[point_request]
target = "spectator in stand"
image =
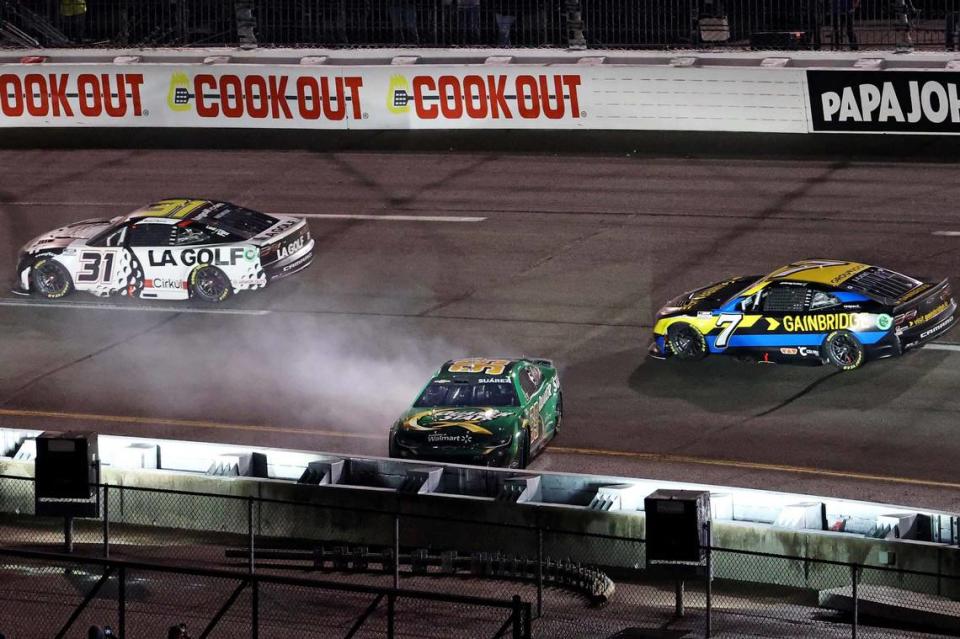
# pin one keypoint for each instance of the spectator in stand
(403, 19)
(843, 22)
(73, 19)
(178, 631)
(506, 19)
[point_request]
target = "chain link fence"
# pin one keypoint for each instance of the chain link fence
(577, 584)
(630, 24)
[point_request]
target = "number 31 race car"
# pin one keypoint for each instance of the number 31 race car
(841, 313)
(491, 412)
(172, 249)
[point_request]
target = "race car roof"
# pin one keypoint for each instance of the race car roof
(477, 367)
(174, 207)
(830, 272)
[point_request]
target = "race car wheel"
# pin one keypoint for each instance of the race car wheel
(209, 284)
(559, 411)
(51, 279)
(520, 460)
(844, 350)
(686, 342)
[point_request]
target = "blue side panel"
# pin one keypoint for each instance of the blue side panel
(787, 339)
(660, 341)
(851, 297)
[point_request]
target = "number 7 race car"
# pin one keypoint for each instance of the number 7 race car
(841, 313)
(172, 249)
(491, 412)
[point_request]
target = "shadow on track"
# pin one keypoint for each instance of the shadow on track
(724, 385)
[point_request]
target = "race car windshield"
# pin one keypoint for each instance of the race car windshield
(458, 394)
(239, 221)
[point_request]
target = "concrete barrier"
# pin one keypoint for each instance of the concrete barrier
(462, 506)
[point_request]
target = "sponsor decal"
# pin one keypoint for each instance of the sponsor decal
(466, 419)
(279, 229)
(847, 274)
(884, 322)
(250, 253)
(883, 101)
(923, 319)
(291, 248)
(482, 97)
(492, 380)
(806, 351)
(936, 328)
(267, 96)
(819, 323)
(163, 282)
(911, 294)
(70, 95)
(192, 256)
(788, 351)
(448, 438)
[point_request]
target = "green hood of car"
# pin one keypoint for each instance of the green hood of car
(459, 426)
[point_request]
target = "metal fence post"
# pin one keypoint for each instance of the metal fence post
(391, 601)
(517, 618)
(709, 584)
(122, 602)
(250, 536)
(255, 608)
(539, 572)
(106, 521)
(396, 552)
(854, 579)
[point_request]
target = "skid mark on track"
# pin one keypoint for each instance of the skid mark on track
(86, 357)
(804, 391)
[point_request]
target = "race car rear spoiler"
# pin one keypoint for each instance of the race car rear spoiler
(917, 296)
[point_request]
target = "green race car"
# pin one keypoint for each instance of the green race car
(490, 412)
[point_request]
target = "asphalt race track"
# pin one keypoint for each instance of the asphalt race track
(564, 257)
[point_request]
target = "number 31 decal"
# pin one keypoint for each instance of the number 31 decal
(96, 266)
(731, 321)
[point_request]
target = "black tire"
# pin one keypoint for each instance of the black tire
(50, 278)
(843, 350)
(686, 342)
(556, 425)
(209, 284)
(522, 458)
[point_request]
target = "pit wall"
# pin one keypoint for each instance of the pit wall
(465, 507)
(424, 90)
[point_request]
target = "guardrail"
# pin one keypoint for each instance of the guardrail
(759, 24)
(416, 91)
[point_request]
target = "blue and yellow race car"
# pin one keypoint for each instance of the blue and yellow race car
(827, 311)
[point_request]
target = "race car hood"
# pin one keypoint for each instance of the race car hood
(65, 235)
(453, 426)
(706, 298)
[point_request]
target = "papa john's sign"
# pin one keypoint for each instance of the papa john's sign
(884, 101)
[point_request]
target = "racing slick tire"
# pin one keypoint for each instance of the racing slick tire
(843, 350)
(556, 424)
(51, 279)
(209, 284)
(521, 459)
(686, 342)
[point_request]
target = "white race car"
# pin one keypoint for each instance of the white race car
(172, 249)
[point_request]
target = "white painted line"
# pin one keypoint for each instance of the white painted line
(947, 233)
(391, 218)
(943, 347)
(140, 309)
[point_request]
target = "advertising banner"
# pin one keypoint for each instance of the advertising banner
(509, 96)
(884, 101)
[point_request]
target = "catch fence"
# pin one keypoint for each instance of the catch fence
(627, 24)
(576, 584)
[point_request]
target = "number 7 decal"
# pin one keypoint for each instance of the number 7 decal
(731, 321)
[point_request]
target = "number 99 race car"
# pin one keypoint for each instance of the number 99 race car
(172, 249)
(841, 313)
(490, 412)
